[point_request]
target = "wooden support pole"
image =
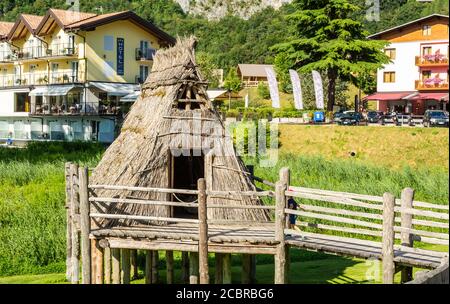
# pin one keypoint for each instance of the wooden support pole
(107, 254)
(148, 266)
(285, 178)
(388, 238)
(134, 265)
(85, 222)
(407, 239)
(218, 277)
(115, 264)
(185, 267)
(125, 265)
(75, 206)
(193, 268)
(68, 222)
(226, 264)
(246, 269)
(169, 267)
(280, 255)
(93, 261)
(253, 269)
(155, 265)
(203, 232)
(99, 274)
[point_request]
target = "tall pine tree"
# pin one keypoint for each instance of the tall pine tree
(324, 37)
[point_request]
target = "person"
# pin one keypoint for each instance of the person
(292, 204)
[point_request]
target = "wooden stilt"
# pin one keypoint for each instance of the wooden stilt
(407, 239)
(387, 251)
(148, 266)
(169, 266)
(193, 268)
(85, 225)
(125, 265)
(134, 265)
(253, 269)
(68, 223)
(280, 255)
(203, 232)
(75, 272)
(93, 261)
(226, 264)
(115, 254)
(218, 277)
(107, 254)
(246, 269)
(185, 267)
(99, 274)
(155, 267)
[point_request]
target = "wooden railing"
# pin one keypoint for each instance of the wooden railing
(384, 219)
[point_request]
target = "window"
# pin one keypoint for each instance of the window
(21, 102)
(389, 77)
(4, 129)
(108, 43)
(426, 50)
(143, 73)
(391, 53)
(426, 30)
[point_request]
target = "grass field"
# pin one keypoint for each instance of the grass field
(32, 215)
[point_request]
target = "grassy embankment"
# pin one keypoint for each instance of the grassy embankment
(32, 217)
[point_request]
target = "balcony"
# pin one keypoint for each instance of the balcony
(432, 60)
(28, 79)
(6, 57)
(75, 109)
(144, 54)
(431, 84)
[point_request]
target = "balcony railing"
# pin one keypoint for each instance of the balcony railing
(88, 108)
(6, 56)
(40, 52)
(432, 60)
(431, 84)
(27, 79)
(144, 54)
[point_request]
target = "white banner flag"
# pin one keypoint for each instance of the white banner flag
(273, 87)
(246, 101)
(296, 89)
(318, 88)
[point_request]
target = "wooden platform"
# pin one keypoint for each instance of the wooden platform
(256, 240)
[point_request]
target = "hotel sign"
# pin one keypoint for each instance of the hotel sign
(120, 56)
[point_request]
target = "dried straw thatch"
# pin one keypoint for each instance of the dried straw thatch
(160, 122)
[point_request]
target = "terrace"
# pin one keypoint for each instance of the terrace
(431, 84)
(36, 53)
(432, 60)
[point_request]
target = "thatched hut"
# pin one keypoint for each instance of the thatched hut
(164, 140)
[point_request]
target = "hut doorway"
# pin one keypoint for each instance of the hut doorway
(186, 170)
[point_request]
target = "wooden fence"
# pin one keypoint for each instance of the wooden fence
(358, 216)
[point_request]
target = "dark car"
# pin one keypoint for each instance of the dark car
(350, 119)
(374, 116)
(337, 117)
(435, 118)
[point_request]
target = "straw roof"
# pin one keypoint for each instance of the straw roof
(159, 125)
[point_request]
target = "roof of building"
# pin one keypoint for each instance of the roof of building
(254, 70)
(399, 27)
(5, 28)
(31, 22)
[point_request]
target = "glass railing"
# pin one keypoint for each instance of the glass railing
(88, 108)
(42, 78)
(144, 54)
(6, 56)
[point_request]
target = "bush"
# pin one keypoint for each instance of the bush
(263, 91)
(232, 113)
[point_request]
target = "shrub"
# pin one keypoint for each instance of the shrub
(263, 91)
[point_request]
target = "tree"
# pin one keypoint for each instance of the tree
(208, 68)
(263, 91)
(232, 82)
(325, 38)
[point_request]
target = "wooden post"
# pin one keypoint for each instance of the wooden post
(185, 267)
(93, 261)
(68, 222)
(218, 277)
(115, 254)
(155, 264)
(253, 269)
(203, 232)
(193, 268)
(226, 262)
(85, 225)
(148, 266)
(280, 255)
(134, 265)
(125, 263)
(407, 238)
(169, 266)
(75, 224)
(98, 263)
(285, 178)
(388, 238)
(107, 253)
(246, 269)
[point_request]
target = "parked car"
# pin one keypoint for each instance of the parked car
(435, 118)
(351, 119)
(374, 116)
(337, 117)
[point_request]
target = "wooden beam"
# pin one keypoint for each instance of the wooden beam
(125, 265)
(155, 267)
(115, 254)
(169, 267)
(85, 225)
(246, 269)
(280, 222)
(185, 267)
(148, 266)
(99, 273)
(407, 239)
(218, 277)
(203, 232)
(134, 265)
(226, 262)
(75, 233)
(388, 238)
(68, 222)
(193, 268)
(107, 254)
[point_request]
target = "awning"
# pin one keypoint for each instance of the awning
(131, 97)
(213, 94)
(55, 90)
(388, 96)
(435, 96)
(116, 89)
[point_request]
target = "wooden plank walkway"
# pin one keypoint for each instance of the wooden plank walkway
(256, 239)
